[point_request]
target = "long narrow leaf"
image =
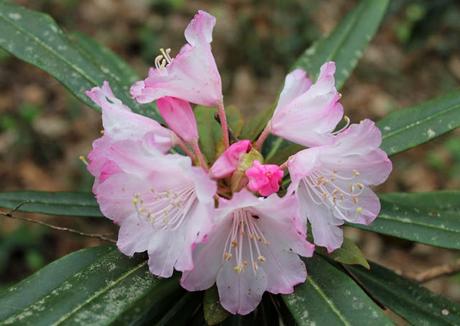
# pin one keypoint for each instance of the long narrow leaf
(406, 298)
(92, 286)
(413, 126)
(432, 218)
(52, 203)
(36, 38)
(345, 45)
(330, 297)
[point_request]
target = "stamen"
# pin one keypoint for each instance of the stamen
(166, 209)
(83, 159)
(163, 59)
(244, 232)
(347, 123)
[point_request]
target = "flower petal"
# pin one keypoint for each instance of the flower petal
(240, 293)
(180, 118)
(199, 30)
(295, 84)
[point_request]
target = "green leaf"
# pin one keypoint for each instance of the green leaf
(349, 254)
(330, 297)
(118, 69)
(406, 298)
(432, 218)
(413, 126)
(345, 46)
(346, 43)
(52, 203)
(182, 311)
(92, 286)
(209, 131)
(36, 38)
(214, 313)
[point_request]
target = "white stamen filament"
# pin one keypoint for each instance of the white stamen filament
(322, 190)
(347, 123)
(163, 59)
(166, 209)
(244, 232)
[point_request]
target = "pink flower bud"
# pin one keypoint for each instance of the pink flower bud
(228, 161)
(264, 178)
(179, 116)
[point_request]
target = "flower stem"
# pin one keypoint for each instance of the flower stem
(223, 123)
(263, 136)
(200, 156)
(184, 147)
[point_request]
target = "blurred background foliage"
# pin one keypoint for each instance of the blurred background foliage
(44, 130)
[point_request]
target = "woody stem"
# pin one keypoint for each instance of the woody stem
(223, 123)
(200, 156)
(263, 136)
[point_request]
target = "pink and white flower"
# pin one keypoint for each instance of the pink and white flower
(264, 178)
(332, 181)
(192, 75)
(120, 123)
(254, 248)
(307, 113)
(163, 204)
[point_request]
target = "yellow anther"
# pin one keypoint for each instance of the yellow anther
(359, 210)
(234, 243)
(238, 268)
(83, 159)
(135, 200)
(261, 259)
(101, 132)
(356, 173)
(227, 256)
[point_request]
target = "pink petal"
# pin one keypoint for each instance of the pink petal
(240, 293)
(309, 118)
(199, 30)
(295, 84)
(180, 118)
(264, 178)
(120, 123)
(229, 160)
(192, 75)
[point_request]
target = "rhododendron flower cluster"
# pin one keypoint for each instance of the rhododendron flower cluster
(231, 222)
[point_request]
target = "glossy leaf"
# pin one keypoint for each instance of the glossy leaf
(345, 45)
(119, 69)
(407, 128)
(182, 311)
(92, 286)
(432, 218)
(52, 203)
(330, 297)
(210, 131)
(408, 299)
(36, 38)
(349, 254)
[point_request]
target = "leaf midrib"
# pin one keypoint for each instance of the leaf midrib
(328, 301)
(99, 293)
(419, 122)
(44, 46)
(412, 222)
(398, 295)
